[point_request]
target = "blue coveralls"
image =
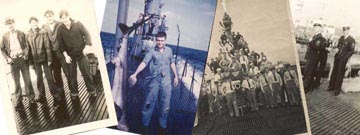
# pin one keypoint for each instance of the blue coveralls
(159, 85)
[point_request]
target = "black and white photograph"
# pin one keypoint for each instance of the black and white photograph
(251, 83)
(53, 68)
(156, 52)
(327, 34)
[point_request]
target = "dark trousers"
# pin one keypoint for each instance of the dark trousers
(84, 67)
(321, 70)
(278, 93)
(293, 92)
(39, 66)
(337, 74)
(56, 71)
(252, 98)
(268, 96)
(21, 65)
(310, 69)
(232, 104)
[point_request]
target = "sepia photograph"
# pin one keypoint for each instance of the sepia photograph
(251, 81)
(156, 52)
(54, 78)
(327, 36)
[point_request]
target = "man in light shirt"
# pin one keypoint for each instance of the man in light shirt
(230, 96)
(292, 86)
(266, 87)
(249, 86)
(16, 53)
(276, 85)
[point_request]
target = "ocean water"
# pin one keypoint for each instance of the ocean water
(190, 66)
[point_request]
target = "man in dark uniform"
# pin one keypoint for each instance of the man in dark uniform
(323, 54)
(72, 38)
(346, 47)
(312, 57)
(214, 64)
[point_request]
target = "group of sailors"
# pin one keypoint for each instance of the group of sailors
(316, 58)
(56, 46)
(244, 79)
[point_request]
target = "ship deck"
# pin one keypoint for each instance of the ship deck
(280, 120)
(43, 117)
(333, 115)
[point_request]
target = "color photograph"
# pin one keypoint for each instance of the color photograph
(156, 52)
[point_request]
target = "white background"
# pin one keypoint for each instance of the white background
(99, 7)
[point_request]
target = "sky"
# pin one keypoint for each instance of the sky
(266, 26)
(195, 22)
(334, 12)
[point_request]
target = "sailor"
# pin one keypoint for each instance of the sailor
(292, 86)
(211, 93)
(323, 55)
(249, 86)
(312, 57)
(73, 37)
(163, 26)
(161, 62)
(346, 47)
(51, 27)
(253, 70)
(276, 86)
(16, 53)
(243, 59)
(256, 57)
(266, 87)
(223, 39)
(230, 96)
(217, 83)
(214, 65)
(41, 58)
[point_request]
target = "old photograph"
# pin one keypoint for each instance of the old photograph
(251, 83)
(327, 36)
(54, 77)
(156, 53)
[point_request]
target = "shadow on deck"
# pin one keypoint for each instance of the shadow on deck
(333, 115)
(181, 115)
(43, 117)
(280, 120)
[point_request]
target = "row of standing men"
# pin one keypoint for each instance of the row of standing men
(56, 45)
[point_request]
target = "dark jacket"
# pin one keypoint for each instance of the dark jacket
(39, 46)
(73, 40)
(5, 44)
(317, 44)
(346, 48)
(52, 35)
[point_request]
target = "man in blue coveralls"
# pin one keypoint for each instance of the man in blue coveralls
(161, 61)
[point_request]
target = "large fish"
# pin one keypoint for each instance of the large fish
(120, 75)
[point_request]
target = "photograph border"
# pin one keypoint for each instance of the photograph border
(297, 61)
(10, 113)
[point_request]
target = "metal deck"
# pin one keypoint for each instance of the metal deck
(43, 117)
(333, 115)
(280, 120)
